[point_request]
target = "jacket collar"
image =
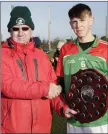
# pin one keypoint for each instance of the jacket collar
(20, 47)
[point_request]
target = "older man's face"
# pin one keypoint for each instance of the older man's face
(21, 33)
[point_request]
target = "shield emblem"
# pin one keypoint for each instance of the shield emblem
(88, 95)
(20, 21)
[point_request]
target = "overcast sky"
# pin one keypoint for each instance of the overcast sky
(59, 18)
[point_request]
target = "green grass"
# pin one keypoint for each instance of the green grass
(58, 124)
(51, 53)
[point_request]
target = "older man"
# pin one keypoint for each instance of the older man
(28, 91)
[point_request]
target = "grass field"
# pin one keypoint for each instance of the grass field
(51, 53)
(58, 125)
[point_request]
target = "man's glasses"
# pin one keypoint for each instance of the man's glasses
(17, 28)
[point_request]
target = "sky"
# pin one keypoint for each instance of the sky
(59, 26)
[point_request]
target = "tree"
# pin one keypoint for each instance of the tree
(55, 42)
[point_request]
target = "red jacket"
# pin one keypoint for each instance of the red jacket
(26, 74)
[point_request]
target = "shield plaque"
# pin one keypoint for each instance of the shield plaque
(88, 95)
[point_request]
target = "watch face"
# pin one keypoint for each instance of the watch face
(88, 95)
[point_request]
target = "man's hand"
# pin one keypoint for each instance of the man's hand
(54, 90)
(69, 113)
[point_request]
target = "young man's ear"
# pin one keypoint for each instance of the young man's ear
(91, 20)
(70, 24)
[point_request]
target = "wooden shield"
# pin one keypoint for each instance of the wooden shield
(88, 95)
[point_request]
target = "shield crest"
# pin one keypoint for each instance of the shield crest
(88, 95)
(20, 21)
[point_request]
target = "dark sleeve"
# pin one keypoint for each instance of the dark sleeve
(61, 82)
(37, 42)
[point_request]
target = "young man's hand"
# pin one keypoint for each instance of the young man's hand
(69, 113)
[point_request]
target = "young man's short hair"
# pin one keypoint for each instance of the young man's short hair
(79, 11)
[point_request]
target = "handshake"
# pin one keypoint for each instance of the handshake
(54, 91)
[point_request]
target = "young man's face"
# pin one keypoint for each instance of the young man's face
(81, 26)
(21, 33)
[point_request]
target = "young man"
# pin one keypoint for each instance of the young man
(87, 51)
(29, 90)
